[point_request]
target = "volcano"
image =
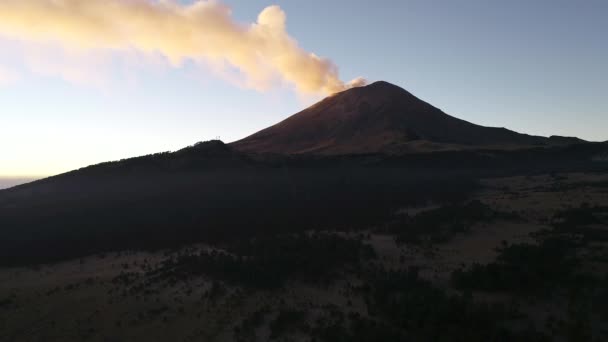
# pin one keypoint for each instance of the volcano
(344, 162)
(380, 117)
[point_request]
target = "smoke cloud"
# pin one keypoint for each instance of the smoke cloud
(7, 76)
(263, 52)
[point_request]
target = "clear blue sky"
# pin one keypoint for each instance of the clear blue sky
(539, 67)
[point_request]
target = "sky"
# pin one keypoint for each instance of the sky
(81, 85)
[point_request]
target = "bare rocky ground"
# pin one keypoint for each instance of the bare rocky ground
(145, 296)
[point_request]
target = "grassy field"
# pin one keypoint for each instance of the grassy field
(350, 285)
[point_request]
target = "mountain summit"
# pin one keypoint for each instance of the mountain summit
(380, 117)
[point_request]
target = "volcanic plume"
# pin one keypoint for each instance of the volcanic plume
(263, 52)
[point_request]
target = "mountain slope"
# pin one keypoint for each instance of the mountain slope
(379, 117)
(210, 193)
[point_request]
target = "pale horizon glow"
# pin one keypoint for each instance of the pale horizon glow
(102, 80)
(9, 182)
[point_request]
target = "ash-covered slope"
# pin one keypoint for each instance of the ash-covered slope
(379, 117)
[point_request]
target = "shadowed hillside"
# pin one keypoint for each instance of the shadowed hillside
(207, 192)
(210, 192)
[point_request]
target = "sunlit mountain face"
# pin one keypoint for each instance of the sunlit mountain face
(382, 117)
